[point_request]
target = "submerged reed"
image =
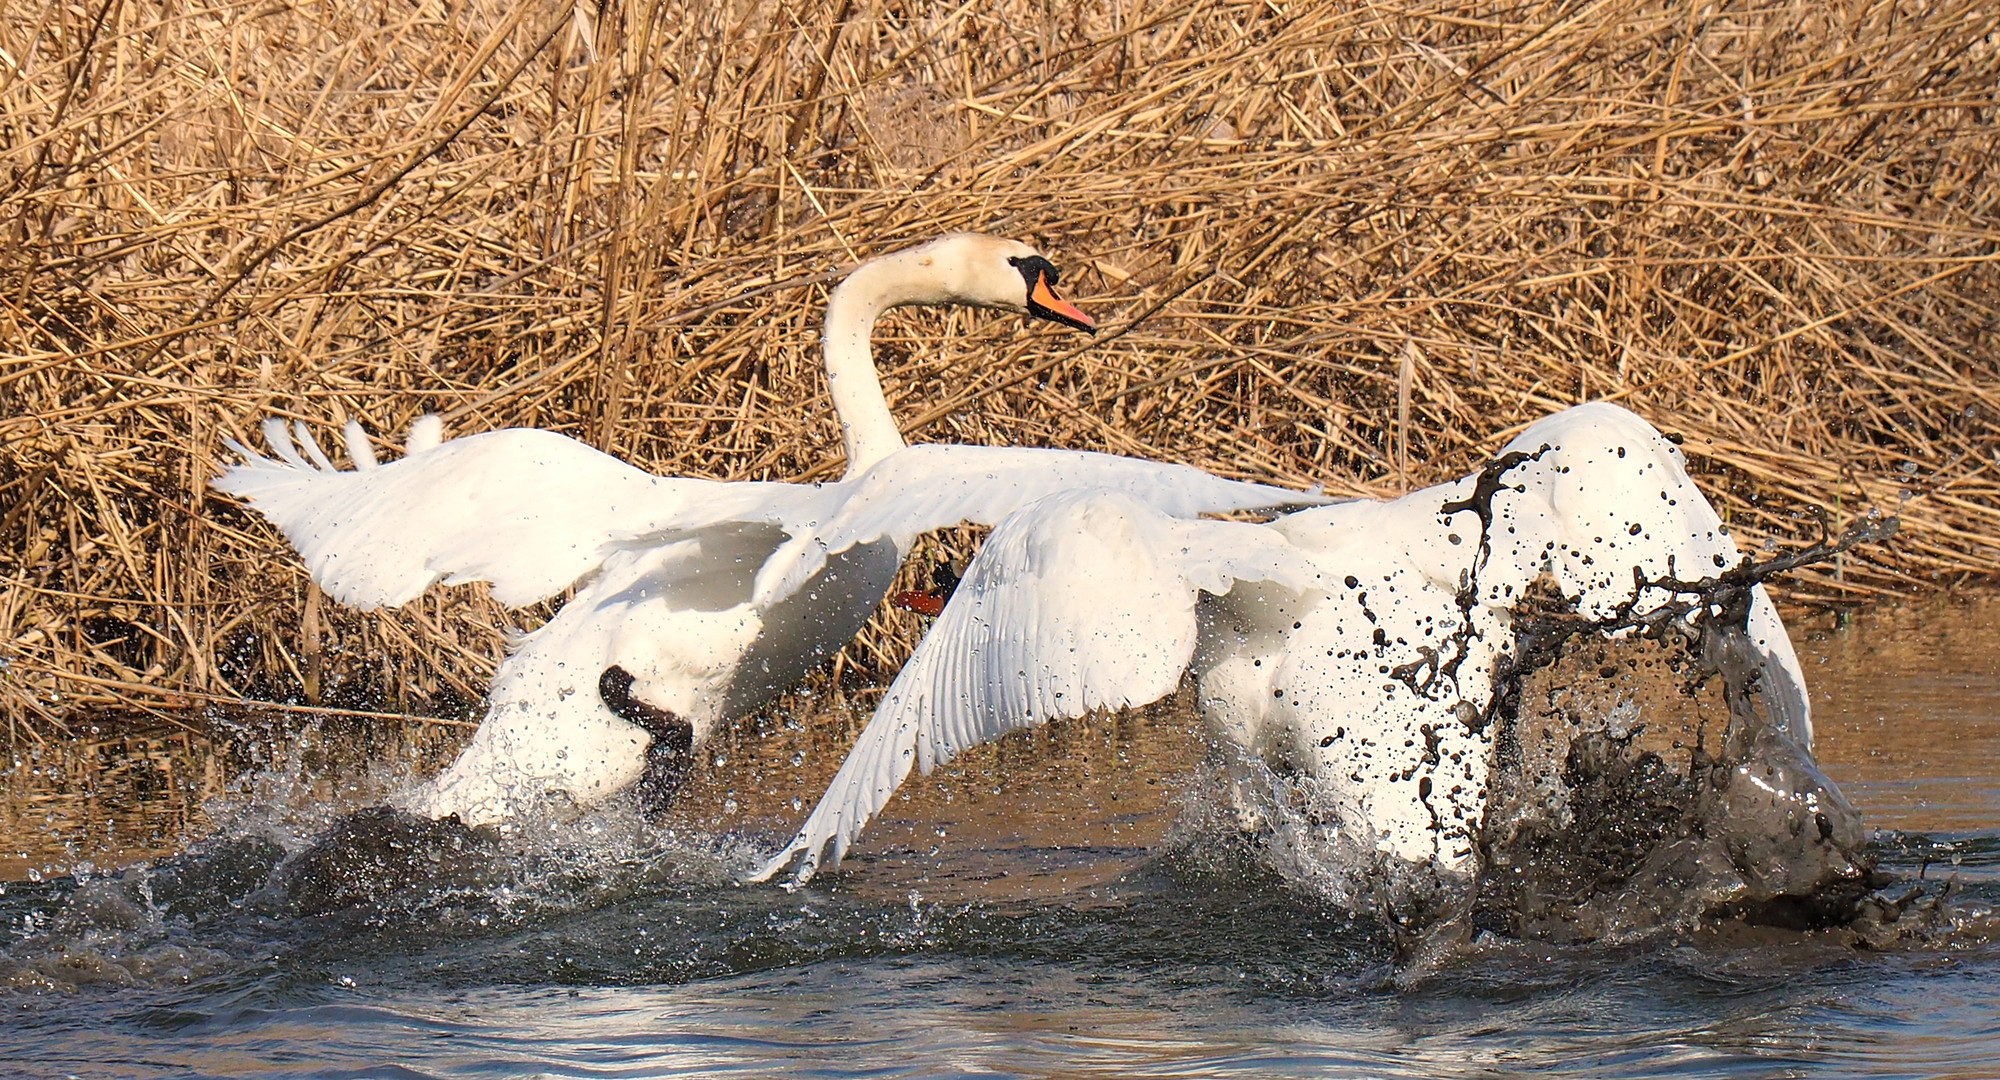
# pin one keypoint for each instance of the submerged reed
(1349, 245)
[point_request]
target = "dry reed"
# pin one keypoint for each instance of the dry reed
(1356, 245)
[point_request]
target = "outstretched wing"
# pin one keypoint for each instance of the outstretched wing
(530, 511)
(930, 487)
(1080, 600)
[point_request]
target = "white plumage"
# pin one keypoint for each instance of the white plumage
(712, 596)
(1332, 639)
(529, 511)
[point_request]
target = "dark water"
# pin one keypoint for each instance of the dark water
(1023, 916)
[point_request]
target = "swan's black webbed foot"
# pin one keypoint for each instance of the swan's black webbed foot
(377, 852)
(671, 753)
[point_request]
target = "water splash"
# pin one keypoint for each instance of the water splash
(251, 891)
(1241, 823)
(1618, 813)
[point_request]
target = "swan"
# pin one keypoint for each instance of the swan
(696, 601)
(1357, 643)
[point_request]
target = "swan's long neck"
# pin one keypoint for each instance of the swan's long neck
(867, 428)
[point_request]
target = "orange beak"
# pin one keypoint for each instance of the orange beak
(1043, 303)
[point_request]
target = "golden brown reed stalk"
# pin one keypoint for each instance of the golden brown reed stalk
(1768, 227)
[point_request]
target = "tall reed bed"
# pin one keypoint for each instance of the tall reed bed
(1356, 245)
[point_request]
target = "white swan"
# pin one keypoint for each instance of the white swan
(1357, 643)
(696, 600)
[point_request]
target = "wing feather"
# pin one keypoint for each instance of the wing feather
(530, 511)
(312, 446)
(930, 487)
(1078, 601)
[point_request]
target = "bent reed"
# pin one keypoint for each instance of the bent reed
(1350, 245)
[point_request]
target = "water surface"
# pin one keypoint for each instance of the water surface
(1023, 914)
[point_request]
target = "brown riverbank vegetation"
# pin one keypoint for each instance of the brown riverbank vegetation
(1352, 245)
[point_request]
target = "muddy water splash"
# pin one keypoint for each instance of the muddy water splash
(1628, 798)
(1595, 831)
(1639, 785)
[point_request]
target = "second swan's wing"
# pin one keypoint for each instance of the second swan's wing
(1081, 600)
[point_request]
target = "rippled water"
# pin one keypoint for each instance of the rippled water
(1023, 915)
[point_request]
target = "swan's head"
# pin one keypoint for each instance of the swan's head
(990, 272)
